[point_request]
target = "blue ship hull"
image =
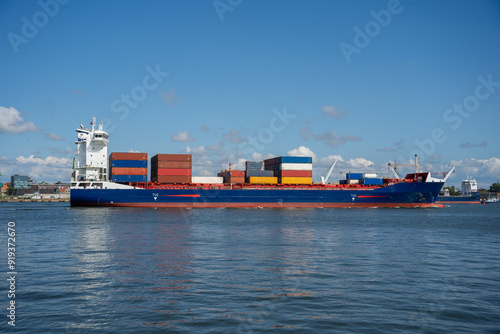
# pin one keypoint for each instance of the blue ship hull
(414, 194)
(474, 198)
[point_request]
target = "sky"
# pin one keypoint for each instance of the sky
(361, 82)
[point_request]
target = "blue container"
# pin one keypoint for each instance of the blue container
(373, 182)
(261, 173)
(354, 176)
(254, 165)
(129, 163)
(129, 178)
(296, 160)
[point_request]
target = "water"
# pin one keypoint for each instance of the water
(125, 270)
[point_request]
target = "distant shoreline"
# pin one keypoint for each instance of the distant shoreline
(29, 200)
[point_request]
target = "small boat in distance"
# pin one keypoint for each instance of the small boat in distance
(491, 200)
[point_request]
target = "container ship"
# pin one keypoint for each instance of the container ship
(121, 180)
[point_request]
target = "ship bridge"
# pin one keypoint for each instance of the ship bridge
(91, 162)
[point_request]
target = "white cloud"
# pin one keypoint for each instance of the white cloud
(399, 144)
(182, 136)
(240, 164)
(53, 136)
(260, 157)
(486, 167)
(302, 151)
(386, 149)
(205, 172)
(484, 171)
(213, 148)
(201, 150)
(327, 161)
(473, 145)
(48, 169)
(12, 122)
(334, 112)
(333, 139)
(305, 133)
(360, 163)
(234, 137)
(49, 161)
(133, 151)
(170, 98)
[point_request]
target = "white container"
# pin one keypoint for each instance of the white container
(290, 166)
(207, 179)
(352, 181)
(370, 176)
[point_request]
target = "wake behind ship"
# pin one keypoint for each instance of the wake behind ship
(279, 182)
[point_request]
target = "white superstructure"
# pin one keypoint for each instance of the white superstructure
(91, 159)
(91, 163)
(468, 186)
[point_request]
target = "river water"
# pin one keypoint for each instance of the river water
(127, 270)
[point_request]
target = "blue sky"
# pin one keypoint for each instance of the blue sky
(363, 82)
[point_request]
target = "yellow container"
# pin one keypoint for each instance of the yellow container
(262, 180)
(296, 180)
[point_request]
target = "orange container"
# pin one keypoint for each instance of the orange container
(172, 157)
(128, 156)
(237, 179)
(172, 172)
(171, 164)
(129, 171)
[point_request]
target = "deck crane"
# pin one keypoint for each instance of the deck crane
(325, 179)
(394, 166)
(448, 174)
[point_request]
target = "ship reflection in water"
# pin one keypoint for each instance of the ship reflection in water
(252, 270)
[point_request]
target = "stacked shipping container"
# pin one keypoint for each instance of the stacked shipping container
(291, 170)
(171, 168)
(125, 167)
(232, 176)
(253, 165)
(368, 179)
(255, 175)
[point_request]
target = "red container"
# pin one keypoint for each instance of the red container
(233, 172)
(236, 180)
(129, 171)
(172, 172)
(128, 156)
(296, 173)
(172, 157)
(172, 179)
(171, 164)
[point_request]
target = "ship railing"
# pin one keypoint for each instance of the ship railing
(204, 186)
